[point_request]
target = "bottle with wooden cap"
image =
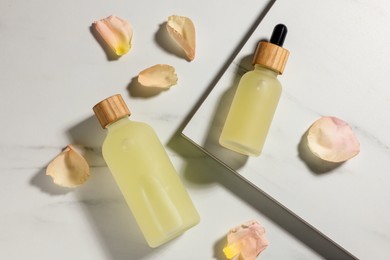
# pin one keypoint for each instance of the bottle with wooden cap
(144, 174)
(256, 98)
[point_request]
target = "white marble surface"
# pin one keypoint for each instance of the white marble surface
(338, 66)
(52, 71)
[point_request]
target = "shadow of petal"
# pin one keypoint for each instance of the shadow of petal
(137, 90)
(45, 184)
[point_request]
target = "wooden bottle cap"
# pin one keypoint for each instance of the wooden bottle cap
(271, 56)
(110, 110)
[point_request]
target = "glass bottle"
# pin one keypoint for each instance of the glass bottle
(256, 98)
(145, 175)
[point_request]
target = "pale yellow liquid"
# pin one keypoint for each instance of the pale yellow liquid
(251, 112)
(148, 181)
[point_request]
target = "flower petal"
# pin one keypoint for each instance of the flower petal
(332, 140)
(116, 32)
(159, 76)
(246, 241)
(69, 169)
(182, 30)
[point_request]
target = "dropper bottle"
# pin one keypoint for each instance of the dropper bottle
(145, 175)
(256, 98)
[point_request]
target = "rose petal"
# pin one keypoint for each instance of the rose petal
(182, 30)
(69, 169)
(246, 241)
(116, 32)
(332, 139)
(159, 76)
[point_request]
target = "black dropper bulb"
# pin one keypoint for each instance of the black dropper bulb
(279, 34)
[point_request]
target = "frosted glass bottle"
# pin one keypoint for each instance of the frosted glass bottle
(144, 174)
(256, 98)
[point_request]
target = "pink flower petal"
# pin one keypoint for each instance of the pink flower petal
(116, 32)
(332, 139)
(246, 241)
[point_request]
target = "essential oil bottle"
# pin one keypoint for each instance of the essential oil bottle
(144, 174)
(256, 98)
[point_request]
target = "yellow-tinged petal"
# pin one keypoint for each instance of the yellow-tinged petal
(246, 241)
(116, 32)
(232, 250)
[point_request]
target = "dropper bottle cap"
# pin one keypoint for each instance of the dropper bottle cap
(271, 54)
(110, 110)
